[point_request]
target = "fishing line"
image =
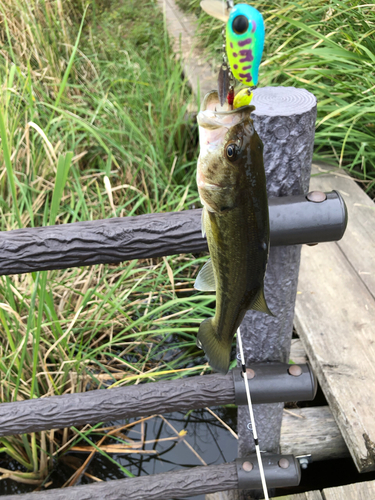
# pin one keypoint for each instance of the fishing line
(252, 419)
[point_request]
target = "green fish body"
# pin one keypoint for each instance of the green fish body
(232, 187)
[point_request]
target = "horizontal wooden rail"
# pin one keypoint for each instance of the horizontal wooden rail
(270, 383)
(293, 220)
(181, 483)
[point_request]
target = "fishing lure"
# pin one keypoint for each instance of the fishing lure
(245, 34)
(244, 43)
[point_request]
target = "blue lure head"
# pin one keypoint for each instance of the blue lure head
(244, 43)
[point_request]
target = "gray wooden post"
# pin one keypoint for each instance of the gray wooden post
(285, 121)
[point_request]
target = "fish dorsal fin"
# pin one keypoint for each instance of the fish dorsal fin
(260, 304)
(205, 281)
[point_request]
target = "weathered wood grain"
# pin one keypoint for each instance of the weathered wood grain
(223, 495)
(359, 243)
(335, 319)
(357, 491)
(182, 27)
(308, 495)
(297, 352)
(178, 484)
(230, 495)
(312, 431)
(293, 220)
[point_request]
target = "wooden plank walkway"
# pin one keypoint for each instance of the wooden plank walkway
(357, 491)
(335, 317)
(312, 431)
(308, 495)
(181, 28)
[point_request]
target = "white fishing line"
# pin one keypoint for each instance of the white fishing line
(252, 419)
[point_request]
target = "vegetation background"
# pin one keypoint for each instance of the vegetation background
(94, 124)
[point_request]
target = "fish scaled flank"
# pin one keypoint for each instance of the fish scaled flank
(232, 187)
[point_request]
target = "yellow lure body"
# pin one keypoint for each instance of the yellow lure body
(243, 98)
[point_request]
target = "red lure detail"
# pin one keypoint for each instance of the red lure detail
(230, 97)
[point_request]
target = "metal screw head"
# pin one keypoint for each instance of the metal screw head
(249, 373)
(247, 466)
(295, 370)
(304, 460)
(284, 463)
(316, 196)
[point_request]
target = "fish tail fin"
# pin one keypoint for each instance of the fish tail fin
(217, 350)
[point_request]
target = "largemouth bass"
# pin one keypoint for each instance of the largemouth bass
(232, 187)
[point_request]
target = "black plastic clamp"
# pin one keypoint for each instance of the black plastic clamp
(279, 470)
(315, 217)
(275, 383)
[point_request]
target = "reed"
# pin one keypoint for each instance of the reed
(93, 125)
(329, 49)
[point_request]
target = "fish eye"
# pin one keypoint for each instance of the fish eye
(231, 151)
(240, 24)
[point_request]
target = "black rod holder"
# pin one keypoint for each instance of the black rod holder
(293, 220)
(279, 470)
(275, 383)
(312, 218)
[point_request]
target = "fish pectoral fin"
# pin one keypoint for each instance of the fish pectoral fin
(202, 223)
(260, 304)
(205, 281)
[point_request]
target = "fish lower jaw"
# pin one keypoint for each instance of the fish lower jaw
(204, 183)
(209, 186)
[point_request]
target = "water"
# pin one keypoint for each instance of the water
(205, 434)
(208, 438)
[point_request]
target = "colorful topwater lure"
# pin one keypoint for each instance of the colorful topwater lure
(244, 38)
(244, 43)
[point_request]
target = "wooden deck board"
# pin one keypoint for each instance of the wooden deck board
(182, 27)
(312, 431)
(360, 232)
(233, 495)
(335, 319)
(308, 495)
(357, 491)
(297, 352)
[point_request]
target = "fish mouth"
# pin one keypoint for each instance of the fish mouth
(213, 116)
(214, 122)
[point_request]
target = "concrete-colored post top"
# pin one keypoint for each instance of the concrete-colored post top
(282, 101)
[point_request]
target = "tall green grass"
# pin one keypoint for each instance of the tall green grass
(93, 125)
(329, 49)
